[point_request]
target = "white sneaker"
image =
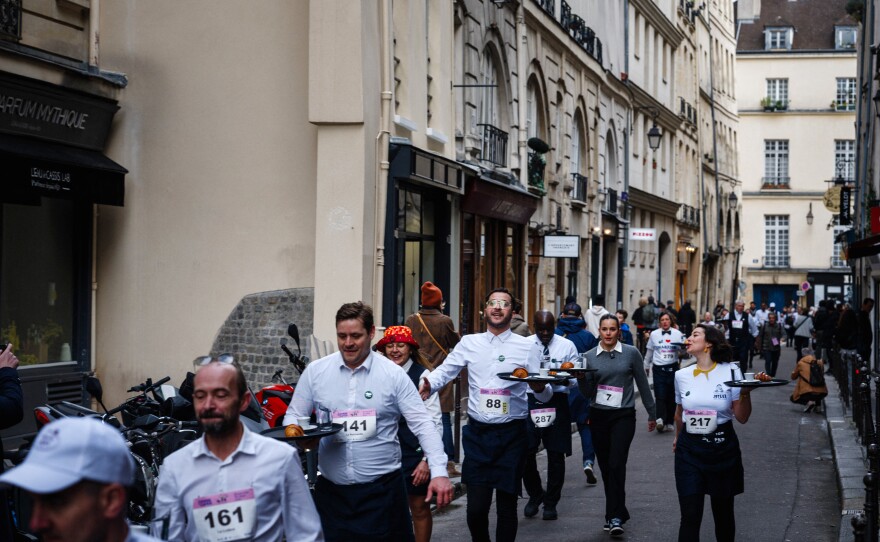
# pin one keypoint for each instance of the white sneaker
(660, 425)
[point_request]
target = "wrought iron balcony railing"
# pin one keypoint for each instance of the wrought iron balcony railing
(775, 182)
(10, 19)
(610, 203)
(494, 148)
(776, 261)
(548, 6)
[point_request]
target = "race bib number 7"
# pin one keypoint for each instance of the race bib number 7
(226, 516)
(357, 425)
(610, 396)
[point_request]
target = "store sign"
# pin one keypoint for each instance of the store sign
(643, 234)
(845, 205)
(52, 113)
(562, 246)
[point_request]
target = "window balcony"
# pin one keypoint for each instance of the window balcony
(549, 6)
(776, 183)
(579, 192)
(494, 147)
(609, 203)
(10, 19)
(777, 261)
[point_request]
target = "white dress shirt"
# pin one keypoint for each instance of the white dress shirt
(377, 384)
(485, 355)
(561, 350)
(660, 349)
(707, 390)
(271, 469)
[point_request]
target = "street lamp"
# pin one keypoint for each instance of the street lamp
(810, 215)
(732, 201)
(654, 136)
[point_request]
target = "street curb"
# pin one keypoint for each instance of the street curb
(849, 458)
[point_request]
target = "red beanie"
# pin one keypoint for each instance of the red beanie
(431, 295)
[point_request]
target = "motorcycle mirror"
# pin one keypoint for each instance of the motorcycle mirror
(293, 332)
(94, 388)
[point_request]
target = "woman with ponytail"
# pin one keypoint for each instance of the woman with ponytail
(708, 460)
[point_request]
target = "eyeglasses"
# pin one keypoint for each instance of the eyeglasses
(222, 358)
(501, 303)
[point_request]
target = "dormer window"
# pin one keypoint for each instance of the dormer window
(845, 37)
(778, 37)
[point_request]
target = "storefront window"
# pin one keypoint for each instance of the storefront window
(37, 280)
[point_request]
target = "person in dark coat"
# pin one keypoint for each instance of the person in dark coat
(11, 412)
(846, 332)
(686, 318)
(866, 333)
(518, 324)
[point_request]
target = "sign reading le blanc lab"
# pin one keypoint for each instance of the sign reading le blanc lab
(643, 234)
(562, 246)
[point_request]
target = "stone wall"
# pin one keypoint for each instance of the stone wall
(254, 329)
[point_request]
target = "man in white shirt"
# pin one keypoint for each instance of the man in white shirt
(361, 493)
(762, 313)
(742, 329)
(232, 484)
(661, 356)
(494, 439)
(549, 423)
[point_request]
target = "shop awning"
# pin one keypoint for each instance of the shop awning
(863, 247)
(32, 169)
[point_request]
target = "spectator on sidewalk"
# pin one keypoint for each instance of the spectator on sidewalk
(436, 335)
(518, 324)
(596, 312)
(639, 322)
(803, 331)
(846, 333)
(626, 336)
(809, 378)
(686, 318)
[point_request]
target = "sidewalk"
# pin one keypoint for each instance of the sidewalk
(850, 458)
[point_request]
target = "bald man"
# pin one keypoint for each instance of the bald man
(549, 423)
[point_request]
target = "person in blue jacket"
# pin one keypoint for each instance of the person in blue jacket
(626, 336)
(572, 326)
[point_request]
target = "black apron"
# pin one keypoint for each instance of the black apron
(494, 454)
(709, 464)
(410, 451)
(376, 511)
(556, 437)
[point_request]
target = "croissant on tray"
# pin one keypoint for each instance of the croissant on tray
(520, 373)
(293, 430)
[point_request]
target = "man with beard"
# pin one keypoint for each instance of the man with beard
(361, 494)
(494, 439)
(232, 484)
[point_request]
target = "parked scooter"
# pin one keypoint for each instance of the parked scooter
(274, 399)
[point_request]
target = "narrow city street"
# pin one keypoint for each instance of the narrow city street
(791, 490)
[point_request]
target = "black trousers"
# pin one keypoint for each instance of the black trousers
(555, 477)
(479, 500)
(613, 431)
(664, 391)
(692, 517)
(800, 343)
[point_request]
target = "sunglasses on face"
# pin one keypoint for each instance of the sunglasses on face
(501, 303)
(222, 358)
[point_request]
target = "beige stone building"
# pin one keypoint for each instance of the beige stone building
(796, 85)
(190, 179)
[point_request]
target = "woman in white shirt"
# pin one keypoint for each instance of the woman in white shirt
(399, 346)
(708, 460)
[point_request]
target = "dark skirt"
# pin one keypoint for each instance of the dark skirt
(409, 460)
(557, 437)
(709, 464)
(494, 454)
(376, 511)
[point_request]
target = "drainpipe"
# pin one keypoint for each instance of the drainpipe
(382, 164)
(94, 35)
(623, 254)
(94, 50)
(522, 66)
(714, 136)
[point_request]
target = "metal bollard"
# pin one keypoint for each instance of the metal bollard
(859, 523)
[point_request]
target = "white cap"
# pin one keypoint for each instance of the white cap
(772, 305)
(70, 450)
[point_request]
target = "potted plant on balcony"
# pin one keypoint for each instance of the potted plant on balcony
(768, 103)
(781, 105)
(834, 105)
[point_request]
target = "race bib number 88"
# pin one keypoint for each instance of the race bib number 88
(495, 402)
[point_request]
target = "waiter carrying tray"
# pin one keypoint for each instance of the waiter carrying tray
(361, 494)
(494, 439)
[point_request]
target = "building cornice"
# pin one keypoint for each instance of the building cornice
(659, 21)
(645, 200)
